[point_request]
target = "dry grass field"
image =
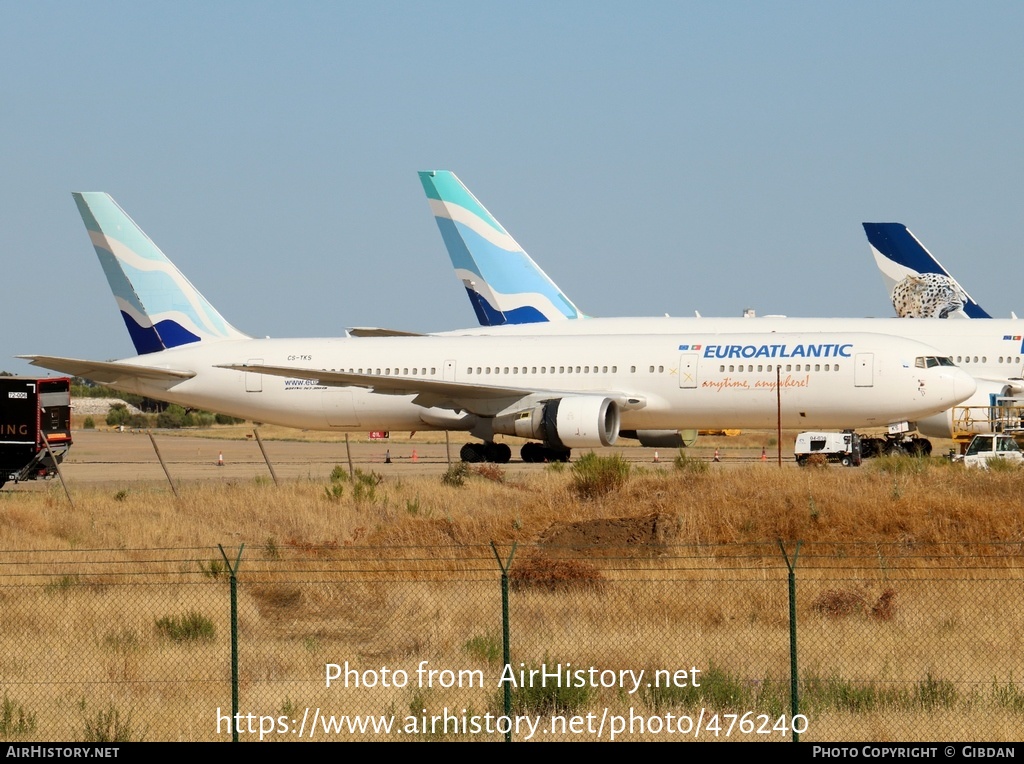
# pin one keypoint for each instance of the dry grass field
(909, 587)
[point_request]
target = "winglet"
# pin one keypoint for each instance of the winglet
(504, 284)
(904, 262)
(159, 305)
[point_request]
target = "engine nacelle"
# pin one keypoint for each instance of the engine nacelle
(976, 414)
(1014, 388)
(583, 421)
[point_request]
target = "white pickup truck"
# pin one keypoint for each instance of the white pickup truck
(987, 446)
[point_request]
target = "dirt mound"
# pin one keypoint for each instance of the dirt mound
(648, 532)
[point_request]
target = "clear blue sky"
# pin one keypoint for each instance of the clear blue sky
(660, 157)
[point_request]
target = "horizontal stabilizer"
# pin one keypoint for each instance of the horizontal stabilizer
(373, 331)
(107, 372)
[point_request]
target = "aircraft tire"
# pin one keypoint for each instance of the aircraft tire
(498, 453)
(529, 453)
(471, 453)
(921, 447)
(894, 449)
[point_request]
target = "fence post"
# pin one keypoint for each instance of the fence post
(794, 692)
(505, 631)
(163, 464)
(270, 466)
(233, 569)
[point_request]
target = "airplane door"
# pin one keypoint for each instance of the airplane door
(449, 371)
(688, 370)
(254, 382)
(864, 370)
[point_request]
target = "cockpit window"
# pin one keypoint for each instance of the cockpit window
(929, 362)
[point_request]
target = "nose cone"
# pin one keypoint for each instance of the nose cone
(962, 384)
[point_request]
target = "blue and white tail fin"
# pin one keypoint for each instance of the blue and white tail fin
(917, 283)
(159, 305)
(505, 285)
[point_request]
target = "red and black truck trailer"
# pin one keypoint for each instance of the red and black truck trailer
(34, 413)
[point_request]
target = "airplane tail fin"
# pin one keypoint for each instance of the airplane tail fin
(159, 305)
(917, 282)
(504, 284)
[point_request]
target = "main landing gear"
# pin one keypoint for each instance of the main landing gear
(499, 453)
(538, 452)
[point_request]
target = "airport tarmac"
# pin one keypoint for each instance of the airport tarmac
(117, 458)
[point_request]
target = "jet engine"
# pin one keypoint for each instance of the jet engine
(976, 414)
(578, 420)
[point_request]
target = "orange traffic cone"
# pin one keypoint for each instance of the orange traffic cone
(415, 458)
(764, 456)
(220, 458)
(717, 457)
(656, 459)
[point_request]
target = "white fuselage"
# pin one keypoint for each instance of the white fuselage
(990, 350)
(691, 378)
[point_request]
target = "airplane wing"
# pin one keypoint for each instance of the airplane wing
(107, 372)
(373, 331)
(432, 392)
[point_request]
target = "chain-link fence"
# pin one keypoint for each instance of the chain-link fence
(899, 641)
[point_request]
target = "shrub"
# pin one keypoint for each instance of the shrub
(191, 627)
(118, 415)
(173, 417)
(110, 727)
(485, 647)
(933, 693)
(89, 424)
(14, 719)
(365, 486)
(456, 475)
(837, 603)
(690, 465)
(491, 472)
(594, 475)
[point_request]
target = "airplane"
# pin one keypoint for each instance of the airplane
(899, 255)
(505, 285)
(559, 392)
(916, 282)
